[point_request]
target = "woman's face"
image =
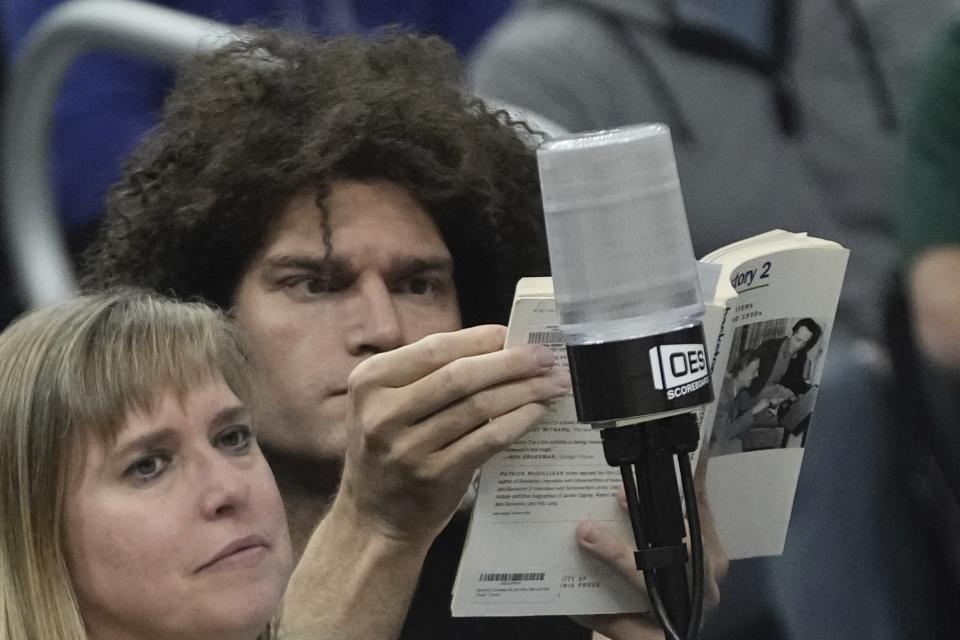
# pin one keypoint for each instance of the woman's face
(177, 530)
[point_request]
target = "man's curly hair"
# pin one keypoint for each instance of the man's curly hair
(272, 114)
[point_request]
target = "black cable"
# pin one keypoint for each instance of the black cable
(696, 543)
(649, 577)
(633, 505)
(659, 610)
(662, 511)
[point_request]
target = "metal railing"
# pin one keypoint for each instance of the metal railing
(32, 229)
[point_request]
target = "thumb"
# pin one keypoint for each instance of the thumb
(603, 544)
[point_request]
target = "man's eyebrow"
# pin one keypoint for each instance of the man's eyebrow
(400, 267)
(306, 262)
(406, 267)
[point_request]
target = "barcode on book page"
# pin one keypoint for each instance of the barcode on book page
(545, 337)
(512, 577)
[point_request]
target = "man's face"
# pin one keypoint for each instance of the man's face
(310, 318)
(799, 340)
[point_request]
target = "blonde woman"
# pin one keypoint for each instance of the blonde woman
(134, 501)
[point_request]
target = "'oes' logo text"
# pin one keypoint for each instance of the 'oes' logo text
(674, 365)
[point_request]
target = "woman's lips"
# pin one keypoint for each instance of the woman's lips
(248, 549)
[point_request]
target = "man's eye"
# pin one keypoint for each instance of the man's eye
(312, 285)
(316, 285)
(237, 439)
(421, 286)
(148, 468)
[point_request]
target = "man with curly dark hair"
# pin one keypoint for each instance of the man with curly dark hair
(345, 198)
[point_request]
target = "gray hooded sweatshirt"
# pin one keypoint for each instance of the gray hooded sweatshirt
(778, 122)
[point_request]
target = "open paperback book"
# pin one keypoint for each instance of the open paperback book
(770, 305)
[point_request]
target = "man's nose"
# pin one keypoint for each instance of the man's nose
(374, 324)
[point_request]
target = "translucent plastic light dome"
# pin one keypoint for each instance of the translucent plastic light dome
(620, 249)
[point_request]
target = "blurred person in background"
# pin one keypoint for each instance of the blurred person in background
(784, 114)
(108, 102)
(929, 223)
(925, 340)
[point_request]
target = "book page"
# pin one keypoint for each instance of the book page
(521, 556)
(767, 395)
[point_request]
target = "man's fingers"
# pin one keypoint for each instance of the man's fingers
(412, 362)
(476, 447)
(623, 627)
(475, 410)
(461, 380)
(605, 545)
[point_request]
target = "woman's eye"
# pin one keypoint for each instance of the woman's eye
(236, 438)
(148, 468)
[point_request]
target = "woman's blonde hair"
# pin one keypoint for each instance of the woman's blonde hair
(69, 373)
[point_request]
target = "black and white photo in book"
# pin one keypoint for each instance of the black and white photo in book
(770, 387)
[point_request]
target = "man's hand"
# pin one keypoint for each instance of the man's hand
(422, 419)
(426, 416)
(617, 552)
